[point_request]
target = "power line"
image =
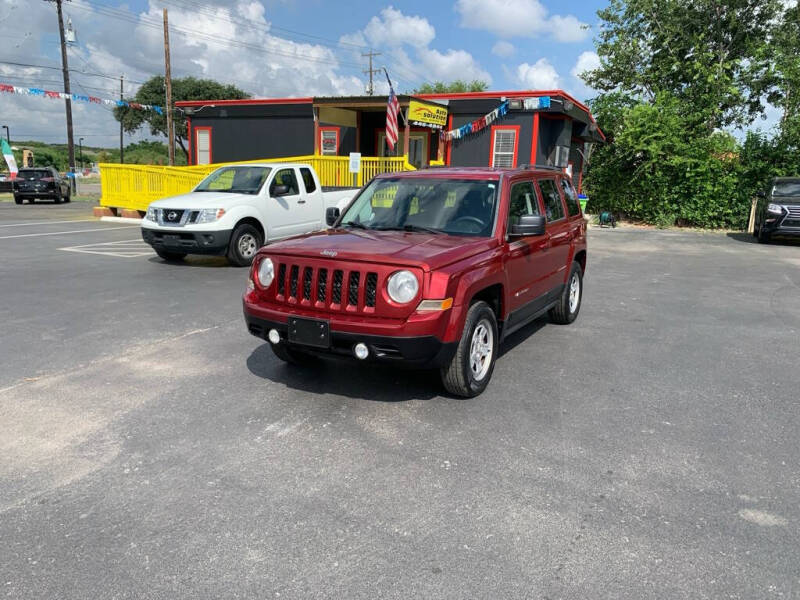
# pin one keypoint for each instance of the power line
(32, 66)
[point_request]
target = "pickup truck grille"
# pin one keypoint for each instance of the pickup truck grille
(331, 289)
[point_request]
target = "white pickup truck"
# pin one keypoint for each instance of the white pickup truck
(239, 208)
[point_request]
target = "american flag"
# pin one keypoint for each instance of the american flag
(391, 119)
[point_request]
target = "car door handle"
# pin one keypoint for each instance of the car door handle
(301, 201)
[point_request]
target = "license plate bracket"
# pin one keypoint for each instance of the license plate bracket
(309, 332)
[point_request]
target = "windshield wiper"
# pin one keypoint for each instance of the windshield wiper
(355, 225)
(410, 228)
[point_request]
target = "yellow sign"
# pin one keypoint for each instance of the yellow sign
(427, 114)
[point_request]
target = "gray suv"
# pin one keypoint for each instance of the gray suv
(778, 210)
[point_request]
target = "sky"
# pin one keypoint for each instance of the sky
(279, 48)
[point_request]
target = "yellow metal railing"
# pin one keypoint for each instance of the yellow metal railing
(136, 186)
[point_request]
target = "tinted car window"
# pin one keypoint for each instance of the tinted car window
(523, 202)
(285, 177)
(573, 208)
(554, 209)
(34, 173)
(308, 180)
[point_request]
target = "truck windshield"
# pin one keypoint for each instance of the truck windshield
(236, 180)
(451, 206)
(786, 188)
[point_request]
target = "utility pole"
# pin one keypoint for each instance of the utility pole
(168, 80)
(68, 101)
(370, 71)
(121, 145)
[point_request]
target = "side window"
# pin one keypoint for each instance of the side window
(308, 180)
(573, 208)
(285, 177)
(554, 209)
(523, 202)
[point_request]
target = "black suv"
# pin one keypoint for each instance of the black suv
(42, 182)
(778, 210)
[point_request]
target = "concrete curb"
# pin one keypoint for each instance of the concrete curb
(121, 220)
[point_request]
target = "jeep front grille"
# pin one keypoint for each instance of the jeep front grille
(341, 289)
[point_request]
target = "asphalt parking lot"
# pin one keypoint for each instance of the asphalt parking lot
(151, 448)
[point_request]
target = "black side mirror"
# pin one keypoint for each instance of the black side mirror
(280, 190)
(331, 215)
(529, 225)
(761, 194)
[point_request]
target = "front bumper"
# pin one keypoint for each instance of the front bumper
(190, 242)
(425, 351)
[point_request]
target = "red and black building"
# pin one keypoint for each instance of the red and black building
(555, 131)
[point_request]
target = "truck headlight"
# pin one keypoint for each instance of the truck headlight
(402, 287)
(775, 208)
(151, 214)
(266, 272)
(209, 215)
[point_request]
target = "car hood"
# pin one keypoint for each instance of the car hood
(429, 251)
(198, 200)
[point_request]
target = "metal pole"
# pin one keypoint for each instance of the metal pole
(80, 150)
(121, 145)
(8, 134)
(67, 102)
(168, 80)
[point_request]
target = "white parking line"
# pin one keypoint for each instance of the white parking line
(24, 235)
(120, 249)
(47, 222)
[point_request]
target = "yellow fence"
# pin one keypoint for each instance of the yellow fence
(136, 186)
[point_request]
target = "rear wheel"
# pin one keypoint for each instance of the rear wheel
(245, 242)
(68, 197)
(566, 311)
(57, 198)
(470, 369)
(171, 256)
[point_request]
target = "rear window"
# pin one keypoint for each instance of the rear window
(308, 180)
(573, 208)
(34, 174)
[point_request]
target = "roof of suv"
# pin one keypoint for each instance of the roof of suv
(474, 172)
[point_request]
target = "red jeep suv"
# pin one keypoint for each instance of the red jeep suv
(429, 268)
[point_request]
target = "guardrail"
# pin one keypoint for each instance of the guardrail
(136, 186)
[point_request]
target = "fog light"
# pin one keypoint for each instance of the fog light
(274, 336)
(361, 351)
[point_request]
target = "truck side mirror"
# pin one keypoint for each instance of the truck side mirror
(280, 190)
(331, 215)
(529, 225)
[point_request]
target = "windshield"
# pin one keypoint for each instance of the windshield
(34, 174)
(789, 188)
(451, 206)
(236, 180)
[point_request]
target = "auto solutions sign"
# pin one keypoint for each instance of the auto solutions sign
(423, 114)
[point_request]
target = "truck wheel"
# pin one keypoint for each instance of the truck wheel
(57, 197)
(293, 357)
(68, 197)
(245, 242)
(569, 304)
(17, 200)
(470, 369)
(171, 256)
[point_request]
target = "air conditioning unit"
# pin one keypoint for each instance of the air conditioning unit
(559, 157)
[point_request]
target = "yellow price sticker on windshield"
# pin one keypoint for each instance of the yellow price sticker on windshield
(450, 201)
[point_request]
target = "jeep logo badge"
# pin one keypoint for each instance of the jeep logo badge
(331, 253)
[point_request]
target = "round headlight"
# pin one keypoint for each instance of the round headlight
(266, 272)
(403, 287)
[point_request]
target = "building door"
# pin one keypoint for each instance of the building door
(203, 145)
(417, 147)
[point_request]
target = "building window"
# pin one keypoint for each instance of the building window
(505, 141)
(329, 141)
(202, 145)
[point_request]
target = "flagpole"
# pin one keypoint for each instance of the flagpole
(391, 87)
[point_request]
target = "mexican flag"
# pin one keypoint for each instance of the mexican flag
(9, 156)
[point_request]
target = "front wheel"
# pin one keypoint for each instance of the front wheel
(245, 242)
(17, 200)
(566, 311)
(470, 369)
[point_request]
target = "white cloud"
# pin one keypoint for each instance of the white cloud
(541, 75)
(519, 18)
(503, 49)
(451, 65)
(393, 28)
(587, 61)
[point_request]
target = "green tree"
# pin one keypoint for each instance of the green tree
(708, 53)
(440, 87)
(187, 88)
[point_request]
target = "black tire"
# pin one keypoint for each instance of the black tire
(459, 376)
(68, 197)
(17, 200)
(566, 311)
(245, 242)
(763, 236)
(292, 356)
(57, 198)
(171, 256)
